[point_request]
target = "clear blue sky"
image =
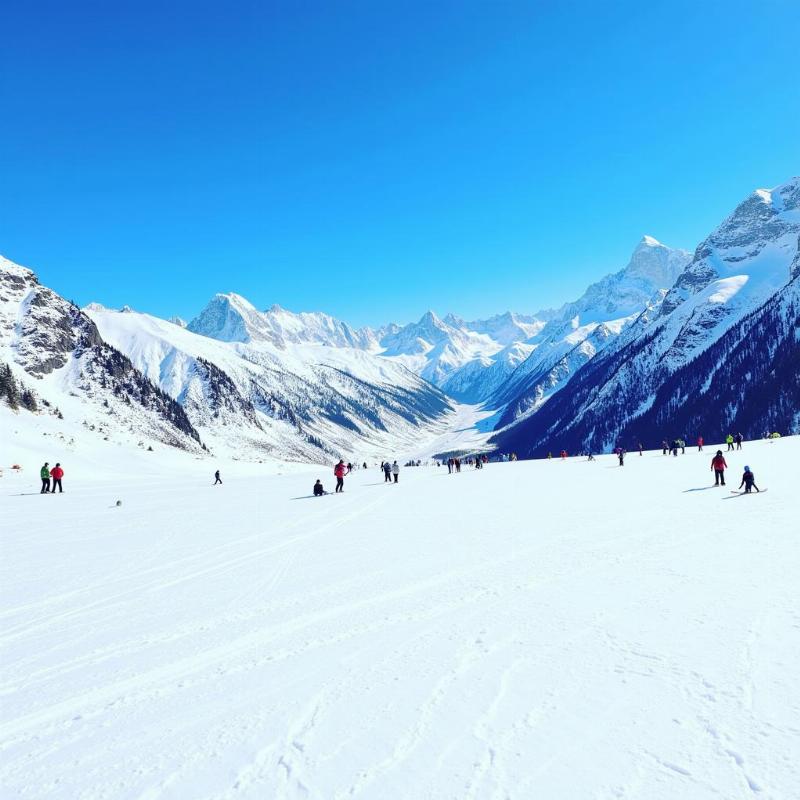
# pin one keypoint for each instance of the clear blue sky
(375, 159)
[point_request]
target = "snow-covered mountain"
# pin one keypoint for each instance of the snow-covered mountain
(621, 360)
(133, 376)
(54, 352)
(581, 329)
(282, 399)
(232, 318)
(468, 359)
(668, 373)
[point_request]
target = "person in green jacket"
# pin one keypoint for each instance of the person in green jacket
(729, 441)
(44, 474)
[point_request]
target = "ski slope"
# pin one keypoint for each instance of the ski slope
(537, 629)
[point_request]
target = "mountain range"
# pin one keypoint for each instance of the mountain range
(674, 343)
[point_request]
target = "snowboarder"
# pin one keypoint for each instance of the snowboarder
(318, 489)
(729, 442)
(739, 439)
(44, 474)
(748, 481)
(591, 457)
(57, 474)
(718, 465)
(339, 471)
(217, 478)
(699, 444)
(396, 471)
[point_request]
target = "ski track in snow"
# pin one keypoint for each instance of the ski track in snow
(494, 634)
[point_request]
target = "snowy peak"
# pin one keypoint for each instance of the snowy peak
(232, 318)
(755, 247)
(229, 318)
(14, 275)
(507, 328)
(656, 263)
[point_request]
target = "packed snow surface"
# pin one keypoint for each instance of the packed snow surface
(542, 629)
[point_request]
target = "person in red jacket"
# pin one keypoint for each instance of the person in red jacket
(57, 474)
(719, 466)
(339, 471)
(699, 444)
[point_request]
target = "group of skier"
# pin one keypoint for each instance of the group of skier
(391, 472)
(719, 465)
(51, 478)
(730, 439)
(674, 446)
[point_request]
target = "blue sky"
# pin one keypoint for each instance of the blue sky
(376, 159)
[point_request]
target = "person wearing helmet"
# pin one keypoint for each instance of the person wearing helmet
(748, 481)
(719, 466)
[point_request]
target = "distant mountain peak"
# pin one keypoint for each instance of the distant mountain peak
(649, 241)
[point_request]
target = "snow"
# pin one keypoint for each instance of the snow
(538, 629)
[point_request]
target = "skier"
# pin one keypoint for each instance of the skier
(395, 471)
(217, 478)
(748, 481)
(387, 472)
(364, 465)
(682, 443)
(318, 490)
(718, 465)
(664, 446)
(458, 465)
(44, 474)
(57, 474)
(449, 466)
(349, 467)
(641, 447)
(621, 457)
(591, 457)
(729, 442)
(739, 439)
(563, 455)
(699, 444)
(339, 471)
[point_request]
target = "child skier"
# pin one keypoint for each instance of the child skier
(748, 481)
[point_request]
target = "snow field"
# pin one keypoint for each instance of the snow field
(535, 629)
